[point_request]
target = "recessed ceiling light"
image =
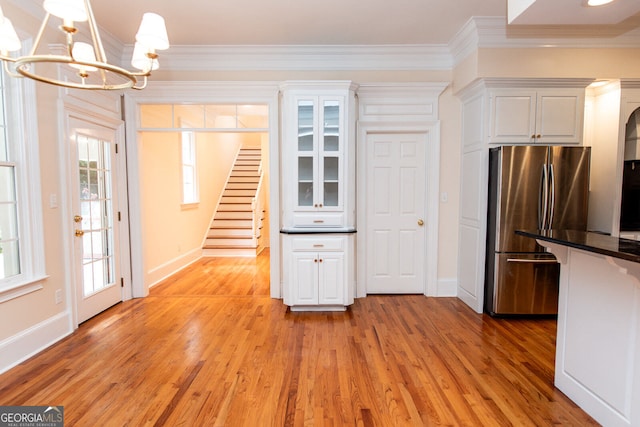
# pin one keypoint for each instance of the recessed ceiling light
(597, 2)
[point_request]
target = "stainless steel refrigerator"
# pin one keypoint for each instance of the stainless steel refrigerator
(530, 188)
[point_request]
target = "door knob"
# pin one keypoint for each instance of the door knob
(77, 218)
(420, 222)
(79, 233)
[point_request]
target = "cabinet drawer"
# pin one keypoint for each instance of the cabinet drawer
(318, 219)
(318, 244)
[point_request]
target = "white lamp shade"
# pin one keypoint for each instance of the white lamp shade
(141, 61)
(72, 10)
(153, 32)
(9, 40)
(83, 52)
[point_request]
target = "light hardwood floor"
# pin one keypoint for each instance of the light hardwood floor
(208, 347)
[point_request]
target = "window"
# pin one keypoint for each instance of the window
(21, 240)
(189, 171)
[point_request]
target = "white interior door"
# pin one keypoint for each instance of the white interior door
(95, 210)
(395, 213)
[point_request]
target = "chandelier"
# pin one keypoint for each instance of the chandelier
(87, 60)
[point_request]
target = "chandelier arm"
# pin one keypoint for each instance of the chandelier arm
(9, 71)
(43, 27)
(144, 85)
(101, 56)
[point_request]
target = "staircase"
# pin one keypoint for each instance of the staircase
(236, 226)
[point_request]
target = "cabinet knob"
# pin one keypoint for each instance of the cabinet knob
(420, 222)
(538, 136)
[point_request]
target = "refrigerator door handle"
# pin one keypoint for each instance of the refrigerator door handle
(543, 199)
(533, 261)
(552, 193)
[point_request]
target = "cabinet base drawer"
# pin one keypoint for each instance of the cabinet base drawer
(318, 220)
(318, 244)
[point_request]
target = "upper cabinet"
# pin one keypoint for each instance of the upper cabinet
(318, 155)
(543, 116)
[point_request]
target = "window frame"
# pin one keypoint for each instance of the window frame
(22, 139)
(191, 164)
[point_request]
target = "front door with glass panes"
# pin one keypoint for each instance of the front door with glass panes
(95, 208)
(319, 155)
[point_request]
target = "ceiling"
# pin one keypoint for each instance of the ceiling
(337, 22)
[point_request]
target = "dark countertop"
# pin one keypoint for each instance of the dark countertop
(317, 230)
(588, 241)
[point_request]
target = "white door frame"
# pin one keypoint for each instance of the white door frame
(69, 111)
(206, 93)
(432, 174)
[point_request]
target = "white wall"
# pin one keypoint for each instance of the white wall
(172, 234)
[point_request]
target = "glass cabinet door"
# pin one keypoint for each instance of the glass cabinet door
(319, 153)
(330, 153)
(305, 153)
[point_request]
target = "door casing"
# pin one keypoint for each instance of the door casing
(431, 131)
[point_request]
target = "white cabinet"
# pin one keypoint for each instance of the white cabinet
(505, 111)
(319, 155)
(318, 184)
(318, 271)
(545, 116)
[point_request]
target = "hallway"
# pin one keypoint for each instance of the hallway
(209, 347)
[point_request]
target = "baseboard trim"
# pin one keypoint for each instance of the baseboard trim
(29, 342)
(158, 274)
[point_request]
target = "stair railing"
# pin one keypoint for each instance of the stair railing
(257, 207)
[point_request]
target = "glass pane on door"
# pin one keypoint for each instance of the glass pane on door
(331, 178)
(331, 126)
(97, 214)
(305, 181)
(305, 126)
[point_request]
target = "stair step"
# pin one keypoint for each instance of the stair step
(242, 186)
(251, 179)
(233, 199)
(229, 242)
(231, 223)
(229, 232)
(235, 207)
(234, 215)
(245, 174)
(239, 193)
(244, 166)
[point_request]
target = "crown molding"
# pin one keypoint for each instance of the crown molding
(479, 32)
(493, 32)
(301, 57)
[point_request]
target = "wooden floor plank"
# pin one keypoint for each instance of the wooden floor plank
(209, 347)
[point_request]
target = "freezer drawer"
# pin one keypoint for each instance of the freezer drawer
(525, 284)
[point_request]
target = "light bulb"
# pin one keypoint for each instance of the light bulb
(598, 2)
